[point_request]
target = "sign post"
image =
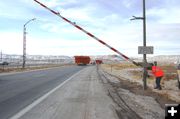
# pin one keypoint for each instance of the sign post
(145, 50)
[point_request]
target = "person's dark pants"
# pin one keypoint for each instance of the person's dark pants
(158, 82)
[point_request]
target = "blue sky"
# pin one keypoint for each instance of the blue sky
(108, 20)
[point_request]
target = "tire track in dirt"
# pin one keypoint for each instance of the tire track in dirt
(122, 109)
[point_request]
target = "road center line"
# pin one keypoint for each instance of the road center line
(39, 100)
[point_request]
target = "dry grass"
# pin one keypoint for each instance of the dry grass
(19, 69)
(169, 70)
(120, 66)
(129, 71)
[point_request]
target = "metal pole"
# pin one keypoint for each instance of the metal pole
(24, 46)
(24, 42)
(144, 44)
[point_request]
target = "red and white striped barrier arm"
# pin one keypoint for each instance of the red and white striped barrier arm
(88, 33)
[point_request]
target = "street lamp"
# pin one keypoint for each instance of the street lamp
(24, 42)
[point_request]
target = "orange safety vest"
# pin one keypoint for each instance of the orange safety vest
(157, 71)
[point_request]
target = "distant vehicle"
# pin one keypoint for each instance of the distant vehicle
(99, 61)
(4, 63)
(82, 60)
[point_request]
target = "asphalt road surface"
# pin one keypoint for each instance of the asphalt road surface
(81, 97)
(18, 90)
(71, 93)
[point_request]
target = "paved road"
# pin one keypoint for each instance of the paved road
(21, 89)
(82, 97)
(91, 94)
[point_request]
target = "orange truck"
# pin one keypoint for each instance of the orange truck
(82, 60)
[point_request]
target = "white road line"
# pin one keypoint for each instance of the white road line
(36, 102)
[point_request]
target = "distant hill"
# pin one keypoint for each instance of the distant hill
(163, 58)
(37, 58)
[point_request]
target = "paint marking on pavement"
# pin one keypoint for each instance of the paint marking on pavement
(39, 100)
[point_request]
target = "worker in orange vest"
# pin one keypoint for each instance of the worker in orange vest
(158, 73)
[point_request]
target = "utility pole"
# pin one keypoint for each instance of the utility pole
(144, 44)
(24, 42)
(144, 49)
(24, 47)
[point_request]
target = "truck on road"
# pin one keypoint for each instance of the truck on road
(82, 60)
(99, 61)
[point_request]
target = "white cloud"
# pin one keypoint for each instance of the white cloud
(127, 3)
(11, 42)
(80, 14)
(51, 3)
(165, 15)
(58, 46)
(64, 47)
(96, 17)
(50, 27)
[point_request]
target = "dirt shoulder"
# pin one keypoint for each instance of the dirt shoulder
(131, 102)
(134, 85)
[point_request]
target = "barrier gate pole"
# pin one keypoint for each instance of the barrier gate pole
(88, 33)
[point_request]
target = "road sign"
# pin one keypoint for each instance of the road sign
(145, 50)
